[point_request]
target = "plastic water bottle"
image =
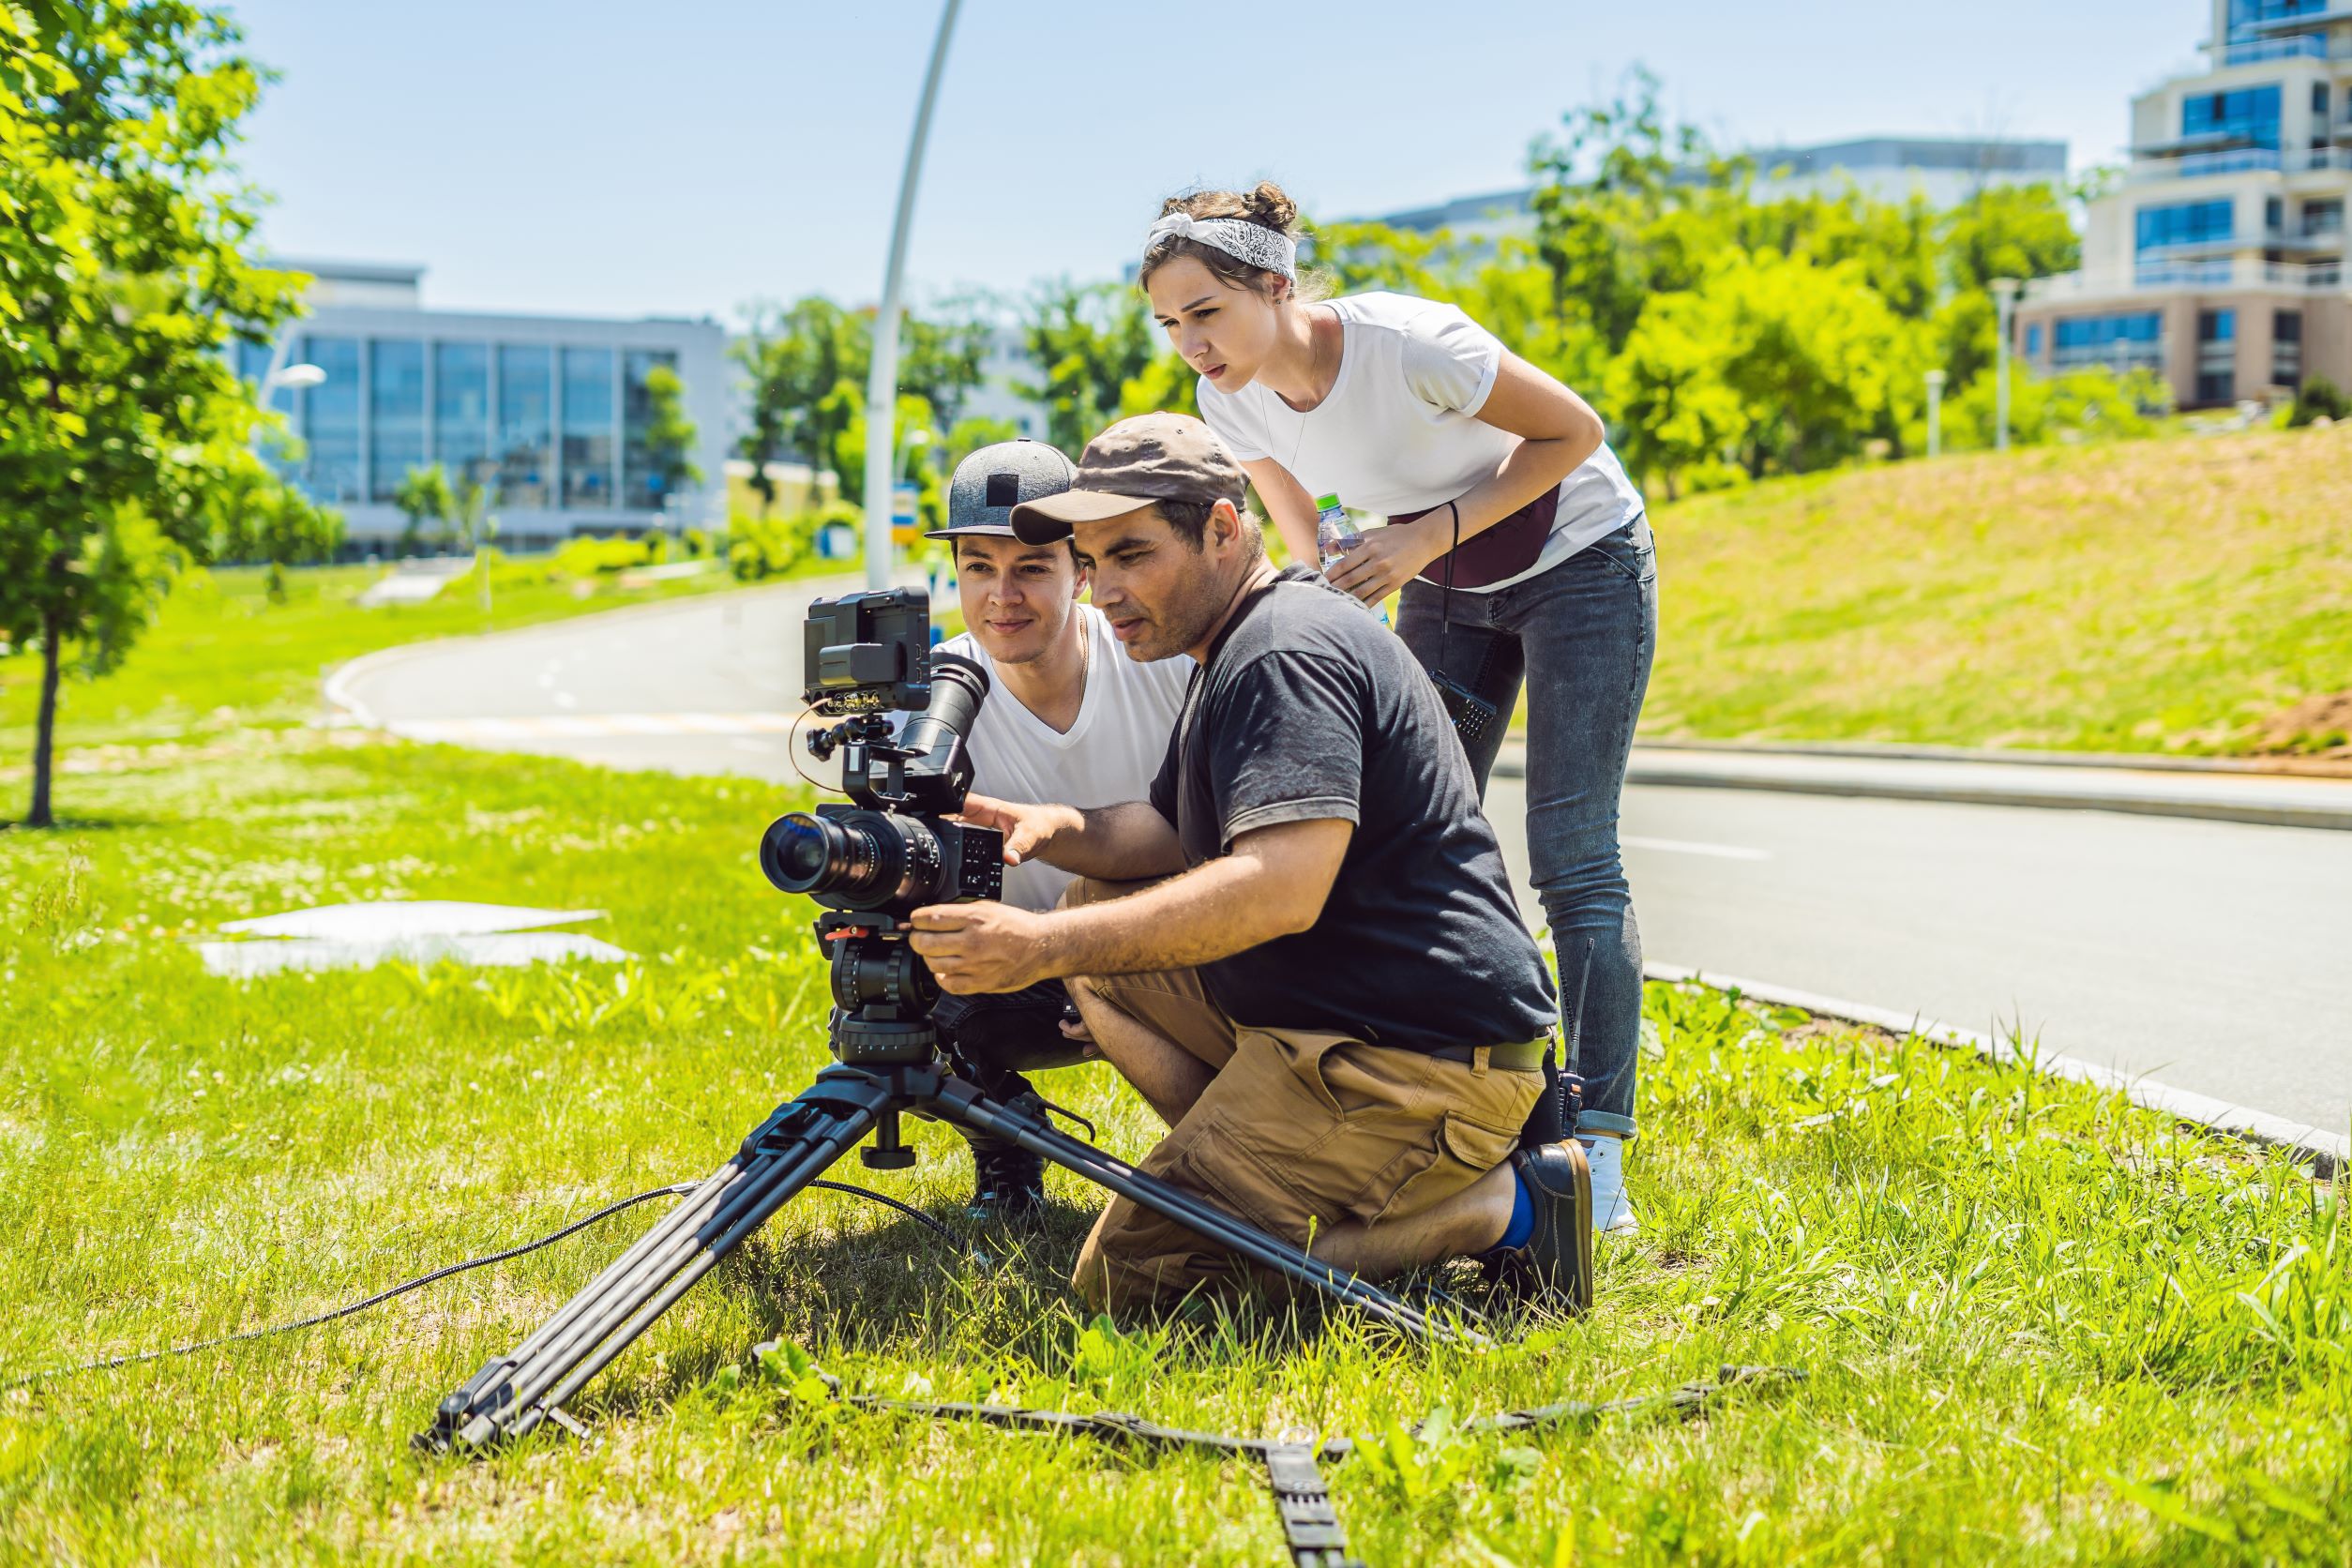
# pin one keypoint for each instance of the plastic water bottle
(1332, 533)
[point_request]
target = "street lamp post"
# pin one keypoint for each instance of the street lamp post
(2005, 295)
(1935, 413)
(882, 383)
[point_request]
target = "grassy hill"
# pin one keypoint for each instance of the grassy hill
(2189, 595)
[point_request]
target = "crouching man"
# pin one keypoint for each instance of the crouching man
(1327, 993)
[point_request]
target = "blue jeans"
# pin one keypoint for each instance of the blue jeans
(1579, 637)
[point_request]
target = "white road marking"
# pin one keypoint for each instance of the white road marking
(1687, 846)
(465, 731)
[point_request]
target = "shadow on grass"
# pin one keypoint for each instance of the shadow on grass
(77, 824)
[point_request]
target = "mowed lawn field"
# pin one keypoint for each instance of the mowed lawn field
(2150, 596)
(2038, 1325)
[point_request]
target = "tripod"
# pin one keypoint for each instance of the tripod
(889, 1065)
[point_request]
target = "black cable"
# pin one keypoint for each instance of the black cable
(680, 1190)
(907, 1210)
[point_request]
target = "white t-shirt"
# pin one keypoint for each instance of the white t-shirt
(1110, 754)
(1398, 432)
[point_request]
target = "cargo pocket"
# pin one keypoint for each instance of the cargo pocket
(1458, 1155)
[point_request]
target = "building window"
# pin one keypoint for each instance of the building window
(2286, 348)
(2248, 117)
(2034, 342)
(588, 428)
(641, 486)
(395, 413)
(2183, 223)
(525, 404)
(2274, 215)
(2122, 343)
(2246, 15)
(2322, 219)
(2217, 355)
(330, 421)
(461, 423)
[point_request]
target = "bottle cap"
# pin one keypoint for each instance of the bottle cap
(1326, 503)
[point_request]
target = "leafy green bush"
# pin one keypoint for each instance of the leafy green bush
(594, 557)
(2319, 398)
(759, 547)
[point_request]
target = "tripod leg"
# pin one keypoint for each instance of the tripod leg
(960, 1102)
(515, 1392)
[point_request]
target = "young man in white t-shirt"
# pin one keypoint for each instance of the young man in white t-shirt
(1069, 718)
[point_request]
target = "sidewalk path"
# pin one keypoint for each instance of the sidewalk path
(2270, 799)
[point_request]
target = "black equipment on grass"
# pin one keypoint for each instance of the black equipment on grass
(868, 864)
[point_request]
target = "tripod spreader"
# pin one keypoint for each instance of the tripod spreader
(796, 1144)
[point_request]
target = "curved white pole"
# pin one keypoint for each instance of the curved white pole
(882, 381)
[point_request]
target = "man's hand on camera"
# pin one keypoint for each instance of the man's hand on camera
(982, 946)
(1027, 829)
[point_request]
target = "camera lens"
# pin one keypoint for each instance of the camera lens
(855, 860)
(802, 847)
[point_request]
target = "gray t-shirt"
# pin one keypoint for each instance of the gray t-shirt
(1308, 709)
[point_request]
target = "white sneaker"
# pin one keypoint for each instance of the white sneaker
(1612, 1211)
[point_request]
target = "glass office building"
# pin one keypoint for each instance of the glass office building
(548, 415)
(2218, 264)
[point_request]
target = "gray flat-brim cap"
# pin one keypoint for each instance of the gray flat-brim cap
(989, 483)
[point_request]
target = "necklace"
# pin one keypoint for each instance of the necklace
(1298, 436)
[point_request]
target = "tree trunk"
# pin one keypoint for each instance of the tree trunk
(45, 730)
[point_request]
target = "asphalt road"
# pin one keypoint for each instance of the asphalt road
(2215, 957)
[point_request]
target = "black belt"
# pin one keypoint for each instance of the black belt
(1525, 1056)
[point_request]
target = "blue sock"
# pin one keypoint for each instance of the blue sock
(1522, 1224)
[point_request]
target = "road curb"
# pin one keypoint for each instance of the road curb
(1882, 751)
(2329, 1155)
(337, 689)
(2299, 810)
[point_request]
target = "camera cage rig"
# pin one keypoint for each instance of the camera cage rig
(865, 654)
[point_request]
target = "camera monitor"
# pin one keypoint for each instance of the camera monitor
(865, 653)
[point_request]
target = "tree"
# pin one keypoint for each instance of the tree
(1677, 420)
(807, 365)
(941, 360)
(1087, 341)
(123, 278)
(424, 497)
(669, 434)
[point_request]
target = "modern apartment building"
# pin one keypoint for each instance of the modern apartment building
(2218, 260)
(548, 412)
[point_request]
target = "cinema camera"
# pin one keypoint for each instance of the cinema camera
(866, 865)
(872, 862)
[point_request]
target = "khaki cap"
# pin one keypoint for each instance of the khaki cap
(1152, 457)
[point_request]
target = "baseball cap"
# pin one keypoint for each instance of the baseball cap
(989, 483)
(1152, 457)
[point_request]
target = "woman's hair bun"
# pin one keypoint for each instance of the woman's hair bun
(1267, 204)
(1271, 206)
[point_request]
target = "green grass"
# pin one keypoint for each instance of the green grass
(2041, 1326)
(2151, 595)
(220, 657)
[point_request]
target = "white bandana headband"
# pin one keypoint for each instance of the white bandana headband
(1237, 237)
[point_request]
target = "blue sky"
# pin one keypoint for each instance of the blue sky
(600, 157)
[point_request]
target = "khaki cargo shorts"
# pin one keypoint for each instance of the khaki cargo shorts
(1298, 1132)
